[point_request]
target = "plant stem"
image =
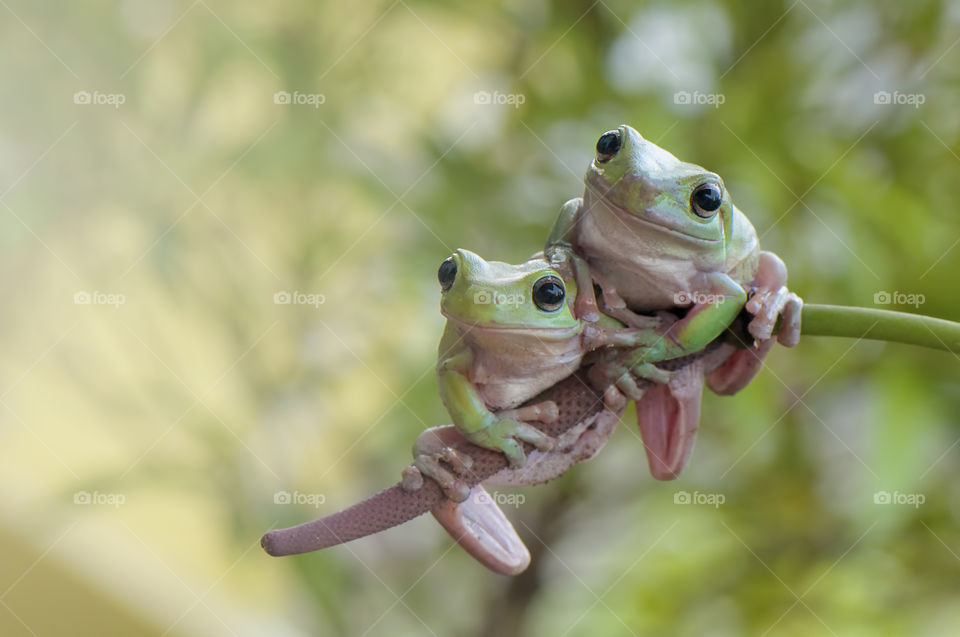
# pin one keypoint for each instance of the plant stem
(880, 325)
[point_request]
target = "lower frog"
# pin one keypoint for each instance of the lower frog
(510, 334)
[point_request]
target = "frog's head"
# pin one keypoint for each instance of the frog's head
(482, 294)
(642, 183)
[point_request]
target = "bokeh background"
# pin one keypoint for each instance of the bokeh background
(156, 194)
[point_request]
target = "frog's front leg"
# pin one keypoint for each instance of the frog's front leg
(703, 323)
(560, 251)
(476, 422)
(613, 305)
(770, 300)
(435, 454)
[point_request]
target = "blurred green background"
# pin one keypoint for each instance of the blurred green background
(155, 398)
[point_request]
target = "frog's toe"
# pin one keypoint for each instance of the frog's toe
(513, 450)
(411, 479)
(613, 399)
(628, 387)
(529, 433)
(652, 373)
(454, 488)
(789, 334)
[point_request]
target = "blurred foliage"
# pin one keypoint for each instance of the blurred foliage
(199, 198)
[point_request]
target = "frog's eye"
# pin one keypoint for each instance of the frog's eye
(548, 293)
(608, 145)
(447, 273)
(706, 199)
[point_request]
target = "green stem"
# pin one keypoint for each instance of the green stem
(880, 325)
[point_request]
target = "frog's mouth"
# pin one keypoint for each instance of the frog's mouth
(628, 217)
(529, 330)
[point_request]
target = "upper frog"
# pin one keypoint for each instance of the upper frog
(654, 233)
(653, 226)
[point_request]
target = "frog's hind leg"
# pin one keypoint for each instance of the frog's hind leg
(669, 416)
(482, 530)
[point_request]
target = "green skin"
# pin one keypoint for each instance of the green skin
(499, 349)
(643, 240)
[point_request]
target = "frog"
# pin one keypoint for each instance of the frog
(511, 333)
(654, 233)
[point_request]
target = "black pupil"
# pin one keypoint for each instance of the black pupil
(609, 143)
(548, 293)
(708, 197)
(447, 273)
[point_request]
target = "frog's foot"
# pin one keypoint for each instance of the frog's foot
(613, 305)
(772, 300)
(505, 435)
(545, 412)
(435, 456)
(482, 530)
(579, 443)
(669, 416)
(619, 377)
